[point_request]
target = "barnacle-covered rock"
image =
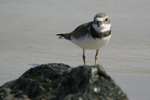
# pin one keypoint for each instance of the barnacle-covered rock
(57, 81)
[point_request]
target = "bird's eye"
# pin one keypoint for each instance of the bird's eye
(106, 19)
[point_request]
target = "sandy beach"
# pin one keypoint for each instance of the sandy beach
(28, 31)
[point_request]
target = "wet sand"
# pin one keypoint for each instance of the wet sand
(27, 39)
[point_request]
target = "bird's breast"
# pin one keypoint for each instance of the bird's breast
(88, 42)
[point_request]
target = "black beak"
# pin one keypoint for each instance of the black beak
(99, 23)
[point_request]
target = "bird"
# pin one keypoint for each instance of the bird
(91, 35)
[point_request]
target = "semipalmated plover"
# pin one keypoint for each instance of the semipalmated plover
(91, 35)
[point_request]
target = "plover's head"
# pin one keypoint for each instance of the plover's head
(101, 22)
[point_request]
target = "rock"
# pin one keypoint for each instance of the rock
(61, 82)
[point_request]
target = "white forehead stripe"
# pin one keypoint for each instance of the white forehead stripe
(101, 19)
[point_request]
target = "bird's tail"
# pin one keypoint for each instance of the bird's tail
(62, 36)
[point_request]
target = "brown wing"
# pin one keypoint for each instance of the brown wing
(81, 30)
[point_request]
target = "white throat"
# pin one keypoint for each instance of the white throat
(102, 28)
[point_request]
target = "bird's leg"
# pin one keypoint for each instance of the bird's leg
(96, 56)
(83, 57)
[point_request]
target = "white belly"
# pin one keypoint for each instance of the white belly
(88, 42)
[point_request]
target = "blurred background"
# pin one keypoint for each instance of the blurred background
(28, 31)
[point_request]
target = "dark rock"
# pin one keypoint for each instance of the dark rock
(61, 82)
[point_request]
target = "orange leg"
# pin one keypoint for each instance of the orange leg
(84, 57)
(96, 56)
